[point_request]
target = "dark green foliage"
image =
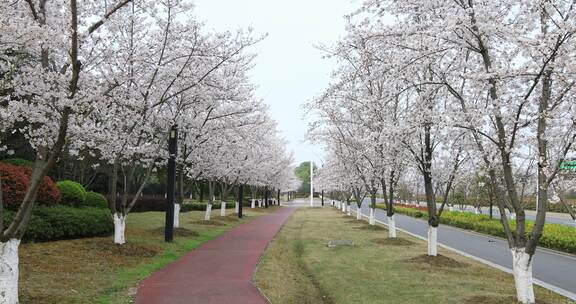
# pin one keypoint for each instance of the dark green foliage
(158, 203)
(95, 199)
(303, 173)
(62, 222)
(202, 206)
(73, 193)
(18, 162)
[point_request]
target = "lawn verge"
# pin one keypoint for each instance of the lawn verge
(298, 267)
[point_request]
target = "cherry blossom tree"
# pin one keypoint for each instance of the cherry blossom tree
(48, 50)
(475, 78)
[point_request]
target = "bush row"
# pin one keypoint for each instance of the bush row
(529, 203)
(62, 222)
(155, 203)
(15, 174)
(555, 236)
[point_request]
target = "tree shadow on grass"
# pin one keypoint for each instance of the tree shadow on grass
(177, 232)
(393, 241)
(437, 261)
(372, 227)
(207, 223)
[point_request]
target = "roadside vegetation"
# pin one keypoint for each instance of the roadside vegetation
(376, 269)
(554, 236)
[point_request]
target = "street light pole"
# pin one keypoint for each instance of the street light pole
(171, 184)
(311, 184)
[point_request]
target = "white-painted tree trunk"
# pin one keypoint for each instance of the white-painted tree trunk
(237, 208)
(391, 226)
(432, 241)
(223, 209)
(253, 204)
(344, 207)
(260, 203)
(358, 214)
(348, 210)
(522, 269)
(451, 208)
(208, 213)
(372, 219)
(176, 215)
(9, 271)
(119, 228)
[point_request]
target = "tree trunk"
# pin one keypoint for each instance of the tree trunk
(432, 240)
(252, 203)
(119, 228)
(223, 209)
(372, 219)
(176, 215)
(179, 197)
(208, 213)
(391, 226)
(522, 269)
(9, 271)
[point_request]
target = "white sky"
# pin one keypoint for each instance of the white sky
(289, 70)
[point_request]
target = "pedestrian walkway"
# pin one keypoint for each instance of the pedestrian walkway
(218, 272)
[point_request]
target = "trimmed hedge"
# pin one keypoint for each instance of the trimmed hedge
(15, 182)
(62, 222)
(96, 200)
(555, 236)
(18, 162)
(73, 193)
(158, 203)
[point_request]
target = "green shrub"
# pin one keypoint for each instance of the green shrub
(73, 193)
(62, 222)
(555, 236)
(95, 199)
(18, 162)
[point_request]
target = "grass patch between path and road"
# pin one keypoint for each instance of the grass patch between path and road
(298, 268)
(94, 270)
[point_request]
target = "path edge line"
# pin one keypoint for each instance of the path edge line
(262, 255)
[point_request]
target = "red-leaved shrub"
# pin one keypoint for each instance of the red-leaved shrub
(15, 181)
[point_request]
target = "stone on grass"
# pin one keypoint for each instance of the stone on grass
(340, 243)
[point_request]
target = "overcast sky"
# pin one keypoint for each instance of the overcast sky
(289, 69)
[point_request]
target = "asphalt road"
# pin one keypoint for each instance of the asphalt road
(554, 269)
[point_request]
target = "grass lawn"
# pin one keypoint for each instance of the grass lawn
(94, 270)
(298, 267)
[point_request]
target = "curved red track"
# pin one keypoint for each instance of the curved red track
(218, 272)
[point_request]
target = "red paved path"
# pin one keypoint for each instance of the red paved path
(218, 272)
